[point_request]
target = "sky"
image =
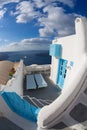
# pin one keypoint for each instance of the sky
(33, 24)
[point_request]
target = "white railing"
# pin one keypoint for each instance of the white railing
(44, 69)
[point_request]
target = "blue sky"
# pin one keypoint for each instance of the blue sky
(32, 24)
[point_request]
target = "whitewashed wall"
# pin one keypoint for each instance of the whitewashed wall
(73, 47)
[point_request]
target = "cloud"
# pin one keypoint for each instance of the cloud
(4, 2)
(50, 17)
(25, 12)
(52, 20)
(41, 3)
(56, 23)
(2, 12)
(69, 3)
(36, 41)
(27, 44)
(28, 10)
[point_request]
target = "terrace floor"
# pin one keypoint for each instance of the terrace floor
(42, 96)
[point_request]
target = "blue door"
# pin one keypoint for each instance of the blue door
(62, 70)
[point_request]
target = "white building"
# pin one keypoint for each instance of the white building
(68, 53)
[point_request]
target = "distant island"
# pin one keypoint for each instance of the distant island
(29, 57)
(43, 53)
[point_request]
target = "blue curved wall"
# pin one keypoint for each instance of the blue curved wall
(20, 106)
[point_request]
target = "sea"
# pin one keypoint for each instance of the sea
(29, 57)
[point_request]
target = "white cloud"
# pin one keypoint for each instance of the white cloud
(27, 44)
(52, 20)
(25, 12)
(57, 22)
(36, 41)
(2, 12)
(3, 2)
(41, 3)
(70, 3)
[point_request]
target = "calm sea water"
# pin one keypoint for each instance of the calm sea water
(29, 57)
